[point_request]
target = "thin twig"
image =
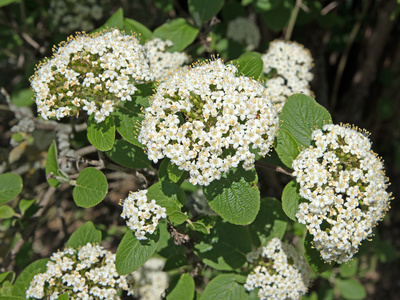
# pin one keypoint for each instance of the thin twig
(292, 21)
(274, 168)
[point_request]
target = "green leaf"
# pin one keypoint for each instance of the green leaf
(300, 116)
(313, 257)
(175, 262)
(24, 279)
(249, 64)
(128, 155)
(25, 204)
(199, 226)
(288, 147)
(6, 212)
(91, 187)
(385, 251)
(175, 174)
(350, 268)
(115, 21)
(204, 10)
(178, 31)
(291, 200)
(278, 17)
(64, 296)
(270, 222)
(86, 233)
(267, 4)
(235, 197)
(52, 165)
(350, 289)
(225, 247)
(170, 172)
(224, 287)
(7, 276)
(183, 290)
(128, 123)
(101, 135)
(10, 186)
(12, 298)
(177, 217)
(166, 195)
(133, 253)
(23, 97)
(142, 32)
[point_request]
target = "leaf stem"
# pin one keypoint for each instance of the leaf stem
(279, 169)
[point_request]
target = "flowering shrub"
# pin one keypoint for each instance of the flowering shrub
(121, 111)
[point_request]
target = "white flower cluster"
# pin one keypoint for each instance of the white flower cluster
(281, 272)
(150, 281)
(244, 31)
(208, 120)
(344, 185)
(288, 65)
(142, 216)
(73, 15)
(163, 62)
(87, 273)
(92, 73)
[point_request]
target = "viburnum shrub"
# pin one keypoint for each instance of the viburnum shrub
(192, 132)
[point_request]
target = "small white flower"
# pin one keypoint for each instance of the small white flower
(142, 215)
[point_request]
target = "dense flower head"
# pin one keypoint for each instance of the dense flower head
(288, 66)
(207, 120)
(163, 62)
(281, 272)
(72, 15)
(344, 186)
(90, 72)
(142, 215)
(87, 273)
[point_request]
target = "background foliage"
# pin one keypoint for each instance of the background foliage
(355, 46)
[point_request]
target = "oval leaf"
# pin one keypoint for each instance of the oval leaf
(133, 253)
(300, 116)
(249, 64)
(225, 247)
(166, 195)
(52, 165)
(224, 287)
(128, 155)
(101, 135)
(142, 32)
(313, 257)
(178, 31)
(204, 10)
(183, 289)
(270, 222)
(90, 188)
(115, 21)
(6, 212)
(86, 233)
(24, 279)
(290, 200)
(10, 186)
(235, 197)
(350, 289)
